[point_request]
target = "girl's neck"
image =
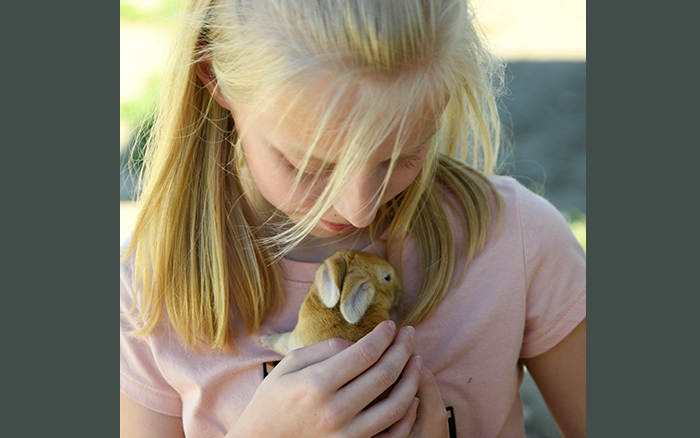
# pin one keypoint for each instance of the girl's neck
(316, 249)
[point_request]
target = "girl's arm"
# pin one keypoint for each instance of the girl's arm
(137, 421)
(560, 374)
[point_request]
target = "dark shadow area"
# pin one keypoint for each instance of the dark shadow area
(546, 114)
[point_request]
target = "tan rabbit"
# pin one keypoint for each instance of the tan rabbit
(352, 293)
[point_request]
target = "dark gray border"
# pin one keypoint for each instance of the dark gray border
(641, 218)
(60, 72)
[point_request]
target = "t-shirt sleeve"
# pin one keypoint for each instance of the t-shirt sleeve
(555, 274)
(140, 377)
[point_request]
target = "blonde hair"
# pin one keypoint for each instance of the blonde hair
(198, 247)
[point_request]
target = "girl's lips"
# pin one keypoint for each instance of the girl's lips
(337, 227)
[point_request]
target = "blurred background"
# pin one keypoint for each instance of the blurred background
(544, 42)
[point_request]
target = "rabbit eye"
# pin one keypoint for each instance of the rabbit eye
(387, 277)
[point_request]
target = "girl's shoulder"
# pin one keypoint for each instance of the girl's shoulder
(531, 231)
(522, 210)
(520, 198)
(538, 221)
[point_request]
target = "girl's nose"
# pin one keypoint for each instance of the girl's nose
(358, 202)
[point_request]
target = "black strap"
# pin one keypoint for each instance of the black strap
(451, 421)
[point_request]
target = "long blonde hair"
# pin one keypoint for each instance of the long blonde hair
(198, 249)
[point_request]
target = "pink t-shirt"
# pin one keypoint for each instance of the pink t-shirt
(520, 296)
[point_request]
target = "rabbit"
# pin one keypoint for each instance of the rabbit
(352, 293)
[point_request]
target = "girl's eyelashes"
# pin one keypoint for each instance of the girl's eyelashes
(303, 175)
(321, 175)
(411, 162)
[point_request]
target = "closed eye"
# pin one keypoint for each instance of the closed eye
(304, 176)
(410, 162)
(413, 160)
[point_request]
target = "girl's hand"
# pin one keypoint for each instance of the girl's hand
(431, 420)
(322, 390)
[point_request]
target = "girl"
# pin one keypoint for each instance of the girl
(289, 129)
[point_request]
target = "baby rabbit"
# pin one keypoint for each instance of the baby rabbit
(352, 293)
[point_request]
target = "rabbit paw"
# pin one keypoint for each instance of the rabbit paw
(282, 343)
(268, 340)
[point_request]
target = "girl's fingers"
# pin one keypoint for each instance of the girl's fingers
(395, 408)
(372, 383)
(353, 361)
(432, 416)
(306, 356)
(403, 427)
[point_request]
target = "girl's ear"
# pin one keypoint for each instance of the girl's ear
(208, 78)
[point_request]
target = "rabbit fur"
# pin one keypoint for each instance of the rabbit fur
(352, 293)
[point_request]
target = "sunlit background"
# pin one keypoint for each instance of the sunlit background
(544, 42)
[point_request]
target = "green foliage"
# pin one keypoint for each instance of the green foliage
(139, 114)
(578, 226)
(133, 12)
(135, 110)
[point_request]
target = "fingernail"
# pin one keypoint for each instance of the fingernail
(392, 326)
(410, 332)
(338, 343)
(419, 362)
(416, 402)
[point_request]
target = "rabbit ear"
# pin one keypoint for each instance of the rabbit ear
(355, 304)
(328, 280)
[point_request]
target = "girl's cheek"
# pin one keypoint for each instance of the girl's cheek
(303, 196)
(401, 181)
